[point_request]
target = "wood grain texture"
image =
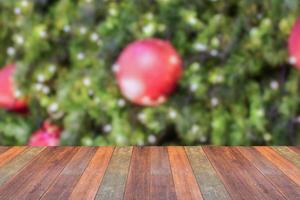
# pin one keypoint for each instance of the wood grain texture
(10, 154)
(283, 164)
(210, 184)
(150, 175)
(186, 186)
(287, 187)
(91, 179)
(17, 163)
(67, 179)
(36, 177)
(114, 180)
(242, 180)
(296, 149)
(3, 149)
(138, 182)
(289, 154)
(161, 183)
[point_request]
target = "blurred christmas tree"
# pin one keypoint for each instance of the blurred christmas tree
(237, 87)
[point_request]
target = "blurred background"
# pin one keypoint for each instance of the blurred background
(239, 84)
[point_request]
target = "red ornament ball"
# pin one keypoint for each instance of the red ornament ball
(48, 135)
(147, 71)
(8, 99)
(294, 44)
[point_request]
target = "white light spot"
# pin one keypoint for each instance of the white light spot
(192, 20)
(86, 81)
(174, 60)
(121, 102)
(40, 78)
(214, 101)
(203, 138)
(20, 39)
(53, 107)
(260, 113)
(219, 78)
(141, 116)
(214, 52)
(46, 90)
(148, 29)
(52, 68)
(274, 85)
(195, 128)
(24, 3)
(267, 137)
(11, 51)
(18, 93)
(113, 11)
(292, 60)
(172, 114)
(151, 139)
(80, 56)
(67, 28)
(17, 11)
(193, 87)
(132, 88)
(107, 128)
(38, 86)
(200, 47)
(82, 30)
(43, 34)
(115, 68)
(94, 37)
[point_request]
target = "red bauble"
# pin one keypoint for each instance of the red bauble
(8, 100)
(48, 135)
(147, 71)
(294, 44)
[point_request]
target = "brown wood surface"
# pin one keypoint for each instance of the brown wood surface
(10, 154)
(114, 180)
(241, 178)
(210, 184)
(3, 149)
(292, 171)
(296, 149)
(186, 186)
(287, 187)
(16, 164)
(289, 154)
(90, 181)
(156, 173)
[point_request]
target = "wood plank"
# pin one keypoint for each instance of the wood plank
(67, 179)
(114, 180)
(3, 149)
(283, 164)
(150, 175)
(242, 180)
(161, 183)
(287, 187)
(138, 182)
(289, 155)
(91, 179)
(36, 177)
(10, 154)
(210, 184)
(186, 186)
(11, 168)
(296, 149)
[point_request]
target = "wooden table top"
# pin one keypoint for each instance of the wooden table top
(150, 173)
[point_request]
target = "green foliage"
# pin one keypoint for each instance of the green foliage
(237, 87)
